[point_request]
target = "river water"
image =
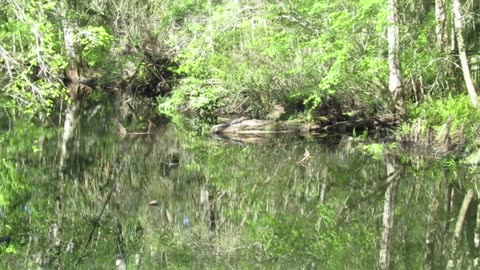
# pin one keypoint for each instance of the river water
(180, 199)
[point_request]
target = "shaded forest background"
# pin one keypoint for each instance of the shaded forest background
(255, 58)
(200, 62)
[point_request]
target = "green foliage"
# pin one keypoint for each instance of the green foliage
(436, 112)
(30, 46)
(282, 53)
(270, 215)
(11, 186)
(233, 57)
(375, 150)
(16, 191)
(95, 42)
(33, 53)
(304, 242)
(305, 52)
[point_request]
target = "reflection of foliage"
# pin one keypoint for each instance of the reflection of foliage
(14, 195)
(298, 240)
(15, 213)
(266, 205)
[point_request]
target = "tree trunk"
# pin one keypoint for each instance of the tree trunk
(393, 172)
(395, 74)
(322, 187)
(73, 70)
(447, 208)
(431, 228)
(452, 263)
(440, 17)
(462, 52)
(72, 78)
(476, 239)
(72, 120)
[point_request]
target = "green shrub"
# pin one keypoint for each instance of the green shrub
(437, 111)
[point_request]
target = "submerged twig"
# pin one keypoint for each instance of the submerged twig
(96, 224)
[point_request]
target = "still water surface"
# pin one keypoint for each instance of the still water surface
(179, 200)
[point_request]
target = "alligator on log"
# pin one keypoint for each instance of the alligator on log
(255, 127)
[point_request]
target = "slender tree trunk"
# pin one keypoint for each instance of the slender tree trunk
(56, 229)
(447, 208)
(72, 119)
(322, 187)
(431, 228)
(73, 70)
(207, 200)
(395, 74)
(462, 52)
(440, 17)
(72, 78)
(451, 264)
(476, 239)
(393, 172)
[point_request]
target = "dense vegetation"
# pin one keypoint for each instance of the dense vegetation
(213, 58)
(77, 192)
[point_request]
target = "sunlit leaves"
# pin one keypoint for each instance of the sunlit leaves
(95, 42)
(436, 112)
(375, 150)
(31, 46)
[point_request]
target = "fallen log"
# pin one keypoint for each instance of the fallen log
(255, 126)
(241, 129)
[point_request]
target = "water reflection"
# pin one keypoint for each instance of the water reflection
(172, 199)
